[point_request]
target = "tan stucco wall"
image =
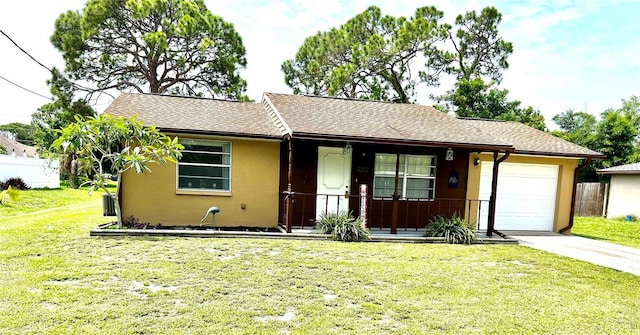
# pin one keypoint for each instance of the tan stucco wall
(624, 196)
(566, 168)
(255, 169)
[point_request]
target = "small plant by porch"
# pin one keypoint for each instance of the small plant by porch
(454, 230)
(342, 227)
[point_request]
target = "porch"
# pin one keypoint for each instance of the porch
(411, 215)
(392, 187)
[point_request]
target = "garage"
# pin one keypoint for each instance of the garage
(526, 196)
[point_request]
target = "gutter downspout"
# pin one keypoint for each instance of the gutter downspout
(573, 194)
(288, 198)
(494, 189)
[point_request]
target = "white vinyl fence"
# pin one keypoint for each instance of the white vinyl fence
(35, 172)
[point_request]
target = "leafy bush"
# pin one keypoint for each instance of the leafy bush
(455, 230)
(342, 227)
(16, 183)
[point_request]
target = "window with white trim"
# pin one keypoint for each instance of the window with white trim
(416, 176)
(205, 165)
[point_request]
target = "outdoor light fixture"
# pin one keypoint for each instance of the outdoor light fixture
(476, 161)
(449, 155)
(347, 149)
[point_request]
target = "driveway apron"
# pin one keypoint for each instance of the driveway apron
(611, 255)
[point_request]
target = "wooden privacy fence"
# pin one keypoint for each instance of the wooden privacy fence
(590, 199)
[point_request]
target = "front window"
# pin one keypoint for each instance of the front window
(416, 176)
(205, 165)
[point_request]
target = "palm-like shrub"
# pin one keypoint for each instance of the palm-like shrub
(342, 227)
(454, 230)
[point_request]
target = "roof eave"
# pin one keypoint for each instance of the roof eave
(559, 154)
(618, 172)
(378, 140)
(218, 133)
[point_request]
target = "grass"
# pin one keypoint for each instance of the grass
(611, 230)
(56, 279)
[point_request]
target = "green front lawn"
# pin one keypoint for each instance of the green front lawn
(610, 230)
(56, 279)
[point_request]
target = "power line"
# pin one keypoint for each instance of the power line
(24, 51)
(76, 86)
(24, 88)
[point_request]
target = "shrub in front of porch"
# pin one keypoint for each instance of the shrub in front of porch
(455, 230)
(342, 227)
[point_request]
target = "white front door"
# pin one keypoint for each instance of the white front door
(334, 179)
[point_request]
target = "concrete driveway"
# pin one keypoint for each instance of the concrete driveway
(611, 255)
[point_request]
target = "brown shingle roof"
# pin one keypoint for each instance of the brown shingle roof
(196, 115)
(633, 168)
(375, 120)
(527, 140)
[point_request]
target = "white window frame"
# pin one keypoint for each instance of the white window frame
(403, 176)
(228, 166)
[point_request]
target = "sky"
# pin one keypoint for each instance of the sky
(581, 55)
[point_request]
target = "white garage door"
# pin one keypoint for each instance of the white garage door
(526, 196)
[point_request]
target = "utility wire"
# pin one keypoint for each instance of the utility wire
(24, 51)
(78, 87)
(24, 88)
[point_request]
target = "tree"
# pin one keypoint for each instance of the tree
(3, 150)
(159, 46)
(23, 132)
(615, 138)
(368, 57)
(478, 51)
(576, 127)
(54, 116)
(111, 146)
(472, 98)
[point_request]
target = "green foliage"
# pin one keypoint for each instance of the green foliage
(111, 146)
(473, 98)
(615, 135)
(455, 230)
(615, 138)
(159, 46)
(479, 50)
(53, 116)
(10, 194)
(342, 227)
(368, 57)
(3, 150)
(22, 132)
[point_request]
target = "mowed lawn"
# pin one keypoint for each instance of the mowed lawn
(616, 231)
(55, 279)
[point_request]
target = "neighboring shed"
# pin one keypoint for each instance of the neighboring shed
(624, 190)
